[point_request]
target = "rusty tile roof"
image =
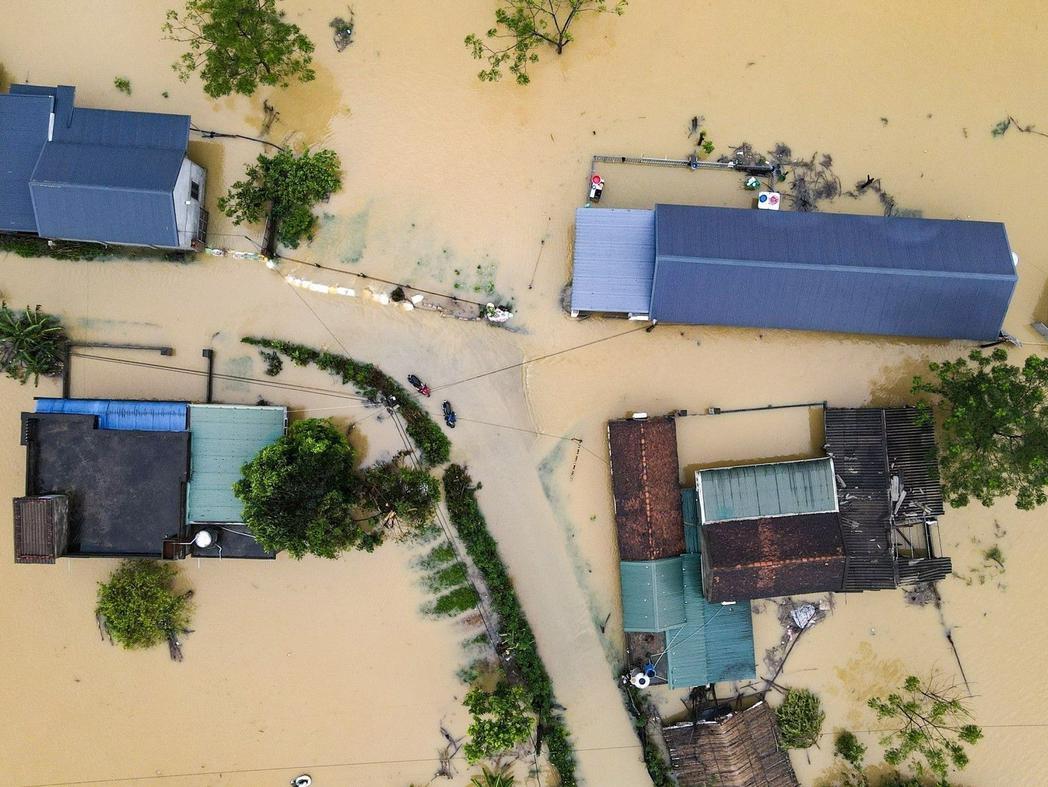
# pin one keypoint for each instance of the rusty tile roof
(772, 556)
(739, 751)
(647, 490)
(41, 528)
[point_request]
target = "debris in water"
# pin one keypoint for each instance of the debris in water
(343, 35)
(1010, 122)
(884, 121)
(921, 595)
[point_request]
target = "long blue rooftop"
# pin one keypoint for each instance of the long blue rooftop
(139, 416)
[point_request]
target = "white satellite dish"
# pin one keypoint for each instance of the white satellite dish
(204, 539)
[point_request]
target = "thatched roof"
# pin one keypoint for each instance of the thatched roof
(741, 750)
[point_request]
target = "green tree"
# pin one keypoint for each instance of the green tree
(408, 494)
(847, 747)
(300, 493)
(32, 343)
(933, 726)
(800, 719)
(524, 26)
(995, 431)
(501, 720)
(138, 605)
(238, 45)
(286, 186)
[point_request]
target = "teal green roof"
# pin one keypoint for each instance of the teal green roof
(716, 642)
(774, 489)
(223, 438)
(652, 594)
(689, 504)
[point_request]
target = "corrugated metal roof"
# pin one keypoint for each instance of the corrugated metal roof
(23, 133)
(831, 272)
(105, 176)
(652, 594)
(716, 642)
(223, 439)
(773, 489)
(130, 415)
(614, 260)
(41, 528)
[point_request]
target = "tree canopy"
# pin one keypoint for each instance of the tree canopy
(411, 495)
(300, 493)
(995, 429)
(238, 45)
(524, 26)
(933, 724)
(32, 343)
(501, 720)
(800, 719)
(138, 605)
(287, 186)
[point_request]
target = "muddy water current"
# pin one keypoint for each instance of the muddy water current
(467, 188)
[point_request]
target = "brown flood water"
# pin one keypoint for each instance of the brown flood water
(328, 666)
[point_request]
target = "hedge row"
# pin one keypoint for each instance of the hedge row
(377, 386)
(460, 496)
(33, 246)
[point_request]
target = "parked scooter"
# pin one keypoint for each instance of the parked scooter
(419, 386)
(449, 414)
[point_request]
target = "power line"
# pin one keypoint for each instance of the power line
(540, 358)
(220, 376)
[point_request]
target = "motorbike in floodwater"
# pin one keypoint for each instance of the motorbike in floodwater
(449, 414)
(419, 386)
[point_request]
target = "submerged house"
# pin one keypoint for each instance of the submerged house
(861, 518)
(672, 632)
(115, 478)
(737, 748)
(97, 175)
(944, 279)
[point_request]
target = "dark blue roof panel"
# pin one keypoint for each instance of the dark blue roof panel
(23, 132)
(105, 215)
(831, 272)
(108, 167)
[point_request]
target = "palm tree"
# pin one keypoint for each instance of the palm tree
(32, 343)
(501, 777)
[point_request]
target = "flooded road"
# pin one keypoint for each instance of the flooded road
(470, 189)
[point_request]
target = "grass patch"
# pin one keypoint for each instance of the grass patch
(515, 631)
(377, 386)
(437, 557)
(448, 577)
(454, 602)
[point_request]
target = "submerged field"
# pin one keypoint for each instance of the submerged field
(450, 184)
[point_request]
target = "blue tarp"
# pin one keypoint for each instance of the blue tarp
(123, 414)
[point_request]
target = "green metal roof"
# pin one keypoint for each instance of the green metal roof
(689, 505)
(652, 594)
(716, 642)
(774, 489)
(223, 438)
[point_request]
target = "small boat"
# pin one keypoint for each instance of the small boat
(449, 414)
(420, 386)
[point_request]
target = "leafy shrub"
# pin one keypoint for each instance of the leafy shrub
(138, 605)
(800, 719)
(515, 631)
(438, 556)
(32, 343)
(409, 494)
(274, 363)
(299, 493)
(372, 382)
(455, 602)
(448, 577)
(847, 747)
(500, 721)
(123, 84)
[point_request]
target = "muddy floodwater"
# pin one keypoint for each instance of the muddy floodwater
(329, 667)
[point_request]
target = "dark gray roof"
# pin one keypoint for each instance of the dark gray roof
(23, 133)
(614, 260)
(106, 175)
(832, 272)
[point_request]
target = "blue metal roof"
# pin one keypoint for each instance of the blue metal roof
(122, 414)
(716, 643)
(24, 120)
(831, 272)
(614, 260)
(105, 176)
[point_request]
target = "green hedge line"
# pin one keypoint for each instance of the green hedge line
(33, 246)
(376, 385)
(460, 496)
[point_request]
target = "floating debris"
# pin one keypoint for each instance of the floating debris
(343, 35)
